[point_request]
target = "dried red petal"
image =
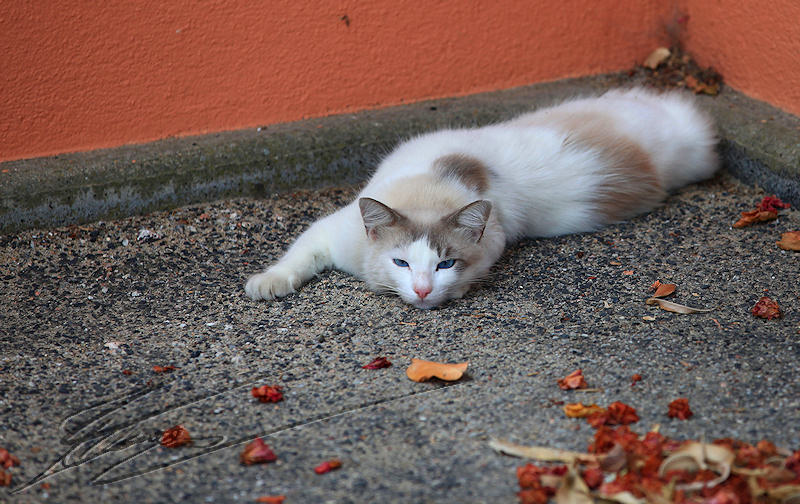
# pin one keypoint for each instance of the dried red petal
(766, 308)
(164, 369)
(771, 204)
(7, 459)
(378, 363)
(574, 380)
(175, 437)
(533, 496)
(593, 477)
(271, 499)
(766, 448)
(257, 452)
(621, 414)
(5, 478)
(749, 456)
(267, 393)
(679, 408)
(328, 466)
(635, 378)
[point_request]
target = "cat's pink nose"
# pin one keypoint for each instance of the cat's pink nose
(422, 291)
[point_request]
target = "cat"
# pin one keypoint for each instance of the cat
(440, 208)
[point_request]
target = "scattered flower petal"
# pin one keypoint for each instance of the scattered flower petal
(580, 410)
(175, 437)
(8, 460)
(271, 499)
(164, 369)
(378, 363)
(572, 381)
(257, 452)
(267, 393)
(5, 478)
(422, 370)
(766, 308)
(328, 466)
(635, 378)
(679, 408)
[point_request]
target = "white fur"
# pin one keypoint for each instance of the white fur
(539, 188)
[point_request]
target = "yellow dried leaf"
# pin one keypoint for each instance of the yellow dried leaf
(422, 370)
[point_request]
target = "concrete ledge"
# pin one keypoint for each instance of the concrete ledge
(759, 144)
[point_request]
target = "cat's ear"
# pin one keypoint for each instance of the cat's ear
(376, 215)
(472, 218)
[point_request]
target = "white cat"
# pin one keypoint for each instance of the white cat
(441, 207)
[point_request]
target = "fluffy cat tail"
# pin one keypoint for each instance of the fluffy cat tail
(679, 137)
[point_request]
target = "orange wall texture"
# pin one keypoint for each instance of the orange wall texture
(754, 44)
(81, 75)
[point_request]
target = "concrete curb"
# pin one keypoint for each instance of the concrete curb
(759, 144)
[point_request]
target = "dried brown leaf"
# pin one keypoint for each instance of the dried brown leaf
(675, 307)
(541, 452)
(656, 58)
(790, 241)
(664, 290)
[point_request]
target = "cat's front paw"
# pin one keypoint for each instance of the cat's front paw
(271, 284)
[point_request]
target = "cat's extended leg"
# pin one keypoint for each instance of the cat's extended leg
(317, 249)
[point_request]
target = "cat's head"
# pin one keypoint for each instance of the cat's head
(428, 260)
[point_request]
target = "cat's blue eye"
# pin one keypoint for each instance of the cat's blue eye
(400, 262)
(446, 264)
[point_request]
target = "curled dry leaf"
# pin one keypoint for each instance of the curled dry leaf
(664, 290)
(693, 457)
(573, 490)
(765, 211)
(378, 363)
(328, 466)
(675, 307)
(267, 393)
(257, 452)
(572, 381)
(580, 410)
(790, 241)
(541, 452)
(175, 437)
(766, 308)
(422, 370)
(679, 408)
(657, 57)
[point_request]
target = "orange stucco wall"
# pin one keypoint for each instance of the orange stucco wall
(754, 44)
(87, 75)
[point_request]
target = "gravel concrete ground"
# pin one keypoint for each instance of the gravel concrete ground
(89, 310)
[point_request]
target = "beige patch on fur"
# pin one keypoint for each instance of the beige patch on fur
(466, 169)
(631, 185)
